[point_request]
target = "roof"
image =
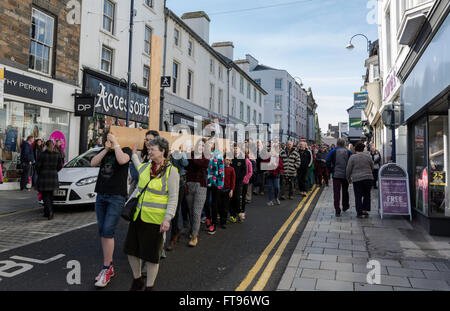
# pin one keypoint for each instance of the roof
(196, 14)
(263, 67)
(223, 59)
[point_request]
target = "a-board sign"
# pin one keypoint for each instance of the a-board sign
(394, 196)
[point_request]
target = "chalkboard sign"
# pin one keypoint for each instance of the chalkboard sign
(394, 196)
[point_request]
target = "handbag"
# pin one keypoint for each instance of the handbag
(130, 206)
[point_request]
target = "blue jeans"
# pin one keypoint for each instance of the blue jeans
(108, 208)
(274, 187)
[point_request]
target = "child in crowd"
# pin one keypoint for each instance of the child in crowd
(227, 192)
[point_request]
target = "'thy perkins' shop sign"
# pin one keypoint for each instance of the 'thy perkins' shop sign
(394, 191)
(360, 100)
(28, 87)
(111, 100)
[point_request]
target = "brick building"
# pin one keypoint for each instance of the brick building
(39, 52)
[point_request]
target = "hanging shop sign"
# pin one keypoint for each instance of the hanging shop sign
(84, 106)
(111, 100)
(394, 191)
(360, 100)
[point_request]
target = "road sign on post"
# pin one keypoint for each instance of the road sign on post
(394, 191)
(166, 81)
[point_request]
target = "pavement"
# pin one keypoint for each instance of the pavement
(21, 221)
(333, 253)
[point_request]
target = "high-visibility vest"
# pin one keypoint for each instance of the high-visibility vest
(153, 203)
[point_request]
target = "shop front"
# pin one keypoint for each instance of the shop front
(425, 98)
(33, 106)
(110, 107)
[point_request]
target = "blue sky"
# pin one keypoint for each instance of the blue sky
(307, 39)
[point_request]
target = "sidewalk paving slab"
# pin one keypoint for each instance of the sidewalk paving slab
(335, 252)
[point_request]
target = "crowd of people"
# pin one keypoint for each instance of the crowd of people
(178, 192)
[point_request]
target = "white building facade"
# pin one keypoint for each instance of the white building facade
(286, 101)
(395, 30)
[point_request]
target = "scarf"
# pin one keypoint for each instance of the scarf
(157, 173)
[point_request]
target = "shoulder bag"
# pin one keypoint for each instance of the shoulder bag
(130, 206)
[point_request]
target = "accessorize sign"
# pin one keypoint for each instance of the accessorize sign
(111, 100)
(394, 191)
(24, 86)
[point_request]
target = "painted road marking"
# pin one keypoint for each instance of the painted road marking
(42, 262)
(265, 276)
(20, 212)
(262, 259)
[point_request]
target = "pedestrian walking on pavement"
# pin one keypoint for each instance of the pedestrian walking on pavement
(239, 164)
(38, 148)
(303, 173)
(111, 189)
(197, 172)
(27, 160)
(337, 161)
(215, 184)
(377, 162)
(48, 166)
(159, 180)
(359, 172)
(291, 163)
(59, 149)
(227, 192)
(322, 171)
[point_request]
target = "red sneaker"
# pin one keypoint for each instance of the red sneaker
(104, 277)
(208, 223)
(212, 229)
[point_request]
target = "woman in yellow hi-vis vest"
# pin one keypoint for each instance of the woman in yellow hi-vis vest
(159, 183)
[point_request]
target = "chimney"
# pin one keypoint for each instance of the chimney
(199, 23)
(224, 48)
(253, 61)
(244, 65)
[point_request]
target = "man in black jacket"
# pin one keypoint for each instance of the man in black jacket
(26, 160)
(303, 171)
(240, 168)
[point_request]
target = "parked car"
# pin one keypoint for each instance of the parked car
(77, 180)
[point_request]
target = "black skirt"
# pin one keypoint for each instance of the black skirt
(144, 241)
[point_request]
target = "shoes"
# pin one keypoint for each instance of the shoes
(233, 219)
(270, 203)
(282, 197)
(148, 289)
(104, 277)
(41, 202)
(194, 241)
(208, 223)
(111, 272)
(291, 197)
(172, 242)
(203, 220)
(338, 214)
(163, 254)
(137, 285)
(50, 216)
(346, 209)
(277, 201)
(242, 216)
(262, 193)
(360, 216)
(255, 193)
(212, 230)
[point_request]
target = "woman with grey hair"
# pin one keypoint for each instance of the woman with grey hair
(159, 186)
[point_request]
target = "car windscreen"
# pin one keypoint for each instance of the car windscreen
(83, 160)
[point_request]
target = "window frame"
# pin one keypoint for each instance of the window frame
(176, 39)
(175, 77)
(42, 43)
(111, 62)
(281, 84)
(144, 77)
(281, 102)
(211, 96)
(191, 48)
(189, 84)
(148, 43)
(111, 18)
(149, 3)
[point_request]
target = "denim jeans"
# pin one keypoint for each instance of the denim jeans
(273, 184)
(108, 208)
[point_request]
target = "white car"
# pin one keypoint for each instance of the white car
(77, 180)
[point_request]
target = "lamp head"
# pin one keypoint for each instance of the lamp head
(350, 46)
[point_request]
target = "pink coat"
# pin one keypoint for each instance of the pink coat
(249, 171)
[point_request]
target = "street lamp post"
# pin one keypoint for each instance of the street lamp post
(130, 50)
(350, 46)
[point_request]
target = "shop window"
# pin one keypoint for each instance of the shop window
(420, 167)
(17, 122)
(438, 164)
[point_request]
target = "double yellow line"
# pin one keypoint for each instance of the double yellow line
(267, 273)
